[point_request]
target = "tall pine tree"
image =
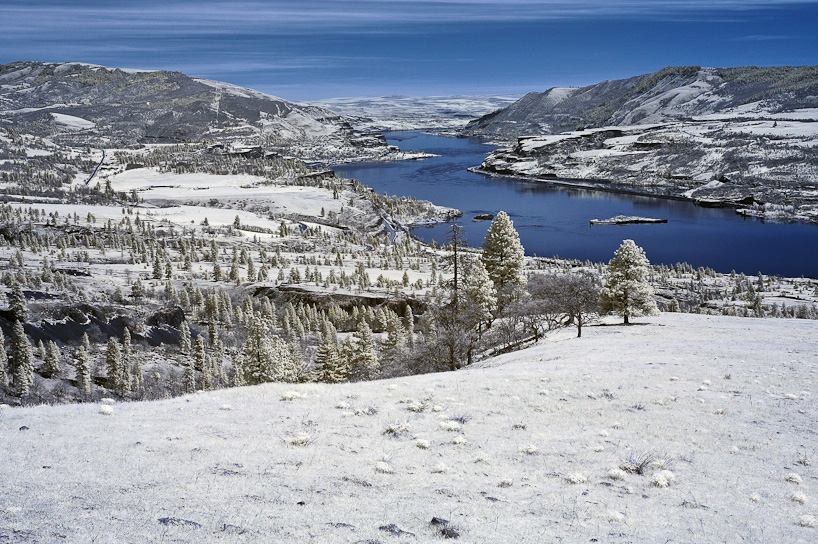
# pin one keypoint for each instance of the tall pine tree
(627, 291)
(504, 257)
(22, 360)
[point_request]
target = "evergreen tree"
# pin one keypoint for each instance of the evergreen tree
(22, 360)
(328, 364)
(126, 348)
(257, 363)
(136, 377)
(627, 291)
(287, 365)
(184, 338)
(364, 358)
(503, 255)
(83, 369)
(393, 346)
(189, 379)
(199, 353)
(17, 303)
(4, 359)
(479, 291)
(113, 363)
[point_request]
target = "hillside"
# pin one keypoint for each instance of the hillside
(543, 443)
(741, 137)
(671, 94)
(100, 106)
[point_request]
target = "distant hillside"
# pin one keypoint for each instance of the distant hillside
(743, 137)
(674, 93)
(101, 104)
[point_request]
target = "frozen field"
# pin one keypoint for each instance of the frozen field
(541, 445)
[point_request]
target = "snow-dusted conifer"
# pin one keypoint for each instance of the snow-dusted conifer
(256, 361)
(4, 359)
(113, 363)
(627, 291)
(83, 369)
(328, 364)
(189, 379)
(184, 338)
(17, 303)
(365, 363)
(503, 255)
(409, 325)
(22, 360)
(126, 348)
(136, 377)
(394, 345)
(479, 291)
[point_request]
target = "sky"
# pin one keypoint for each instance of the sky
(312, 49)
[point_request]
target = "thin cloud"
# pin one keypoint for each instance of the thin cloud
(285, 16)
(762, 38)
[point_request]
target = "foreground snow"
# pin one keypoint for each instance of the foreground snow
(526, 447)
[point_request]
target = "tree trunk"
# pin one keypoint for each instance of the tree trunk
(579, 328)
(626, 319)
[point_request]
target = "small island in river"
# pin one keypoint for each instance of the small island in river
(626, 220)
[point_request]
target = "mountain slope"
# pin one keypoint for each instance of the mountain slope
(127, 106)
(543, 441)
(670, 94)
(743, 137)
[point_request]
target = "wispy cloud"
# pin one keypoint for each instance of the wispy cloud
(762, 38)
(188, 17)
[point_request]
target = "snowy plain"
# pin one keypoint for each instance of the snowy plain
(538, 445)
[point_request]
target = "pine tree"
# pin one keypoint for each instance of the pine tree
(126, 348)
(22, 360)
(256, 355)
(479, 291)
(409, 326)
(118, 379)
(328, 364)
(503, 256)
(627, 291)
(83, 369)
(189, 379)
(184, 338)
(394, 346)
(4, 359)
(17, 303)
(199, 353)
(365, 365)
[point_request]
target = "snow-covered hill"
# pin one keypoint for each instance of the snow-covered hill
(99, 104)
(718, 414)
(745, 137)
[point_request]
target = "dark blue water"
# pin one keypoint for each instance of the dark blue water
(554, 221)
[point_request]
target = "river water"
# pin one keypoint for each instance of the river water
(554, 220)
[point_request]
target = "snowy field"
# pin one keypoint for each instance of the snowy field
(540, 445)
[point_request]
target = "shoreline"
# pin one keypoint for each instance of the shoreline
(599, 185)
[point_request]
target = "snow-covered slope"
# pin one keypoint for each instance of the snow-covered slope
(542, 443)
(670, 94)
(128, 106)
(745, 137)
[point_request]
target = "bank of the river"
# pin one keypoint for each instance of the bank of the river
(554, 220)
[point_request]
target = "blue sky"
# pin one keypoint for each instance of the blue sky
(326, 48)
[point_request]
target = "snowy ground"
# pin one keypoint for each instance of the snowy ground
(526, 447)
